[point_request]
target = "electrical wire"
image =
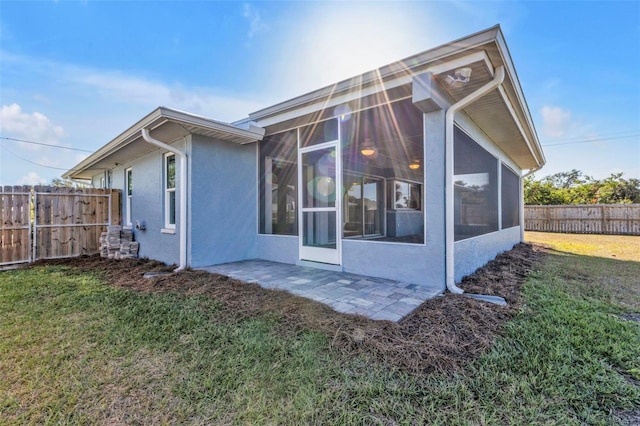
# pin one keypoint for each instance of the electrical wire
(44, 144)
(29, 161)
(633, 132)
(592, 140)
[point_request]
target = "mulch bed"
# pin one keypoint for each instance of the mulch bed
(442, 334)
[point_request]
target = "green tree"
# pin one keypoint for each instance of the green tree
(65, 183)
(574, 187)
(615, 189)
(542, 192)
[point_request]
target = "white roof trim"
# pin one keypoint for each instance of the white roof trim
(157, 118)
(385, 72)
(358, 91)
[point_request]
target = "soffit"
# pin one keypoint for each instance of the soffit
(494, 113)
(164, 124)
(502, 114)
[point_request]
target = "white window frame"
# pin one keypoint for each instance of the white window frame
(167, 192)
(128, 176)
(410, 184)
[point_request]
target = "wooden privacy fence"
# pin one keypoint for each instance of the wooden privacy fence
(612, 219)
(48, 222)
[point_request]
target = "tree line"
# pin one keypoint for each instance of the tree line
(574, 187)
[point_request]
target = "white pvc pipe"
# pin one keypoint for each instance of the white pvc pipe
(448, 179)
(183, 194)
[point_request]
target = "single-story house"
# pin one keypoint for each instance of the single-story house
(411, 172)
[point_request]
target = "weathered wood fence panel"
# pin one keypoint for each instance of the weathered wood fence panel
(611, 219)
(15, 222)
(50, 222)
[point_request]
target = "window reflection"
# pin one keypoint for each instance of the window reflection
(475, 188)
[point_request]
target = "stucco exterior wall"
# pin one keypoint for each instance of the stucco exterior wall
(473, 253)
(147, 205)
(223, 211)
(278, 248)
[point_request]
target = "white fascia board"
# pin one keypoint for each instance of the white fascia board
(534, 146)
(357, 92)
(386, 72)
(514, 116)
(252, 134)
(155, 119)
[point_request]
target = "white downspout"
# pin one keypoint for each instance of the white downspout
(183, 194)
(498, 78)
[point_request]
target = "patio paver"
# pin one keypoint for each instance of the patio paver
(375, 298)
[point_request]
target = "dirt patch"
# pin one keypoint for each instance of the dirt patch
(631, 317)
(442, 334)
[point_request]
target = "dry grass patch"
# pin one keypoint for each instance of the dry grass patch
(620, 247)
(602, 267)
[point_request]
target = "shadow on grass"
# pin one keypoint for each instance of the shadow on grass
(604, 279)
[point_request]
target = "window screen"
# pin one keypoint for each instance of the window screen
(510, 198)
(278, 184)
(475, 188)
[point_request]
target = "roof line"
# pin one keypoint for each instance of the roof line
(383, 72)
(159, 116)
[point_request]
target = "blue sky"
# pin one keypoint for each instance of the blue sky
(75, 74)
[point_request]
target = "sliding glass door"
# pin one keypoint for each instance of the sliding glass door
(363, 206)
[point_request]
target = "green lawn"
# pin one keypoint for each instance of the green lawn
(76, 350)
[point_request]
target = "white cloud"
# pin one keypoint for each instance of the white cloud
(556, 122)
(256, 24)
(116, 92)
(91, 107)
(119, 87)
(31, 178)
(35, 127)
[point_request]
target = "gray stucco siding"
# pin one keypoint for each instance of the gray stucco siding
(148, 205)
(410, 263)
(278, 248)
(473, 253)
(223, 201)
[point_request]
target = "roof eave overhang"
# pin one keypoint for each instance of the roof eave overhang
(190, 123)
(436, 61)
(532, 141)
(388, 72)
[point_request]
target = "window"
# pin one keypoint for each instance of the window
(510, 198)
(170, 191)
(385, 142)
(405, 195)
(363, 206)
(475, 188)
(128, 182)
(279, 184)
(317, 133)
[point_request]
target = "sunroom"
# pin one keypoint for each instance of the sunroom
(410, 172)
(378, 194)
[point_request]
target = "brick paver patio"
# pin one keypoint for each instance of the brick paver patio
(376, 298)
